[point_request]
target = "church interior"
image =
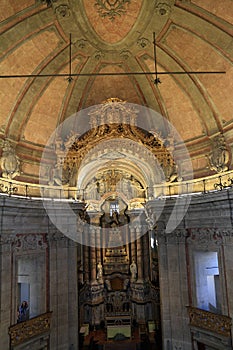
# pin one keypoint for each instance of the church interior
(116, 174)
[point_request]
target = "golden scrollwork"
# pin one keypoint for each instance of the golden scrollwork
(220, 324)
(23, 331)
(113, 119)
(110, 131)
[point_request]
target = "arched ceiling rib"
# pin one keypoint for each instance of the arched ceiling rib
(192, 35)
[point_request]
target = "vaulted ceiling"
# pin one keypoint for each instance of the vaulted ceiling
(116, 36)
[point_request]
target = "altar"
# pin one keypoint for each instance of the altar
(118, 325)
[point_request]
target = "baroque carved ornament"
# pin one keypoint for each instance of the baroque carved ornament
(114, 120)
(29, 242)
(111, 8)
(9, 162)
(219, 156)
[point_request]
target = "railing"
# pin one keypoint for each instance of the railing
(195, 186)
(26, 330)
(216, 323)
(38, 191)
(203, 185)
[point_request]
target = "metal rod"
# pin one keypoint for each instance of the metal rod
(70, 74)
(70, 57)
(157, 80)
(104, 74)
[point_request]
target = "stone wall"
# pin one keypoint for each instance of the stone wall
(206, 227)
(34, 249)
(26, 231)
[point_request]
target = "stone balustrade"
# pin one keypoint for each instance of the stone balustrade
(201, 185)
(23, 331)
(216, 323)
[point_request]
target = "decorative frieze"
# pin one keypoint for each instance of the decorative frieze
(175, 237)
(7, 239)
(205, 238)
(29, 242)
(25, 242)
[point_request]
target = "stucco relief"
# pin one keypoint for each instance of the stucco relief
(205, 238)
(111, 8)
(219, 156)
(29, 242)
(10, 162)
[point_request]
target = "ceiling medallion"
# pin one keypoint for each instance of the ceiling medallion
(163, 9)
(62, 11)
(111, 8)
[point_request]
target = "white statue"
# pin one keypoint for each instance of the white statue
(133, 270)
(108, 285)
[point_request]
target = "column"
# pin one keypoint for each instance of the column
(93, 256)
(139, 255)
(146, 255)
(86, 263)
(133, 243)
